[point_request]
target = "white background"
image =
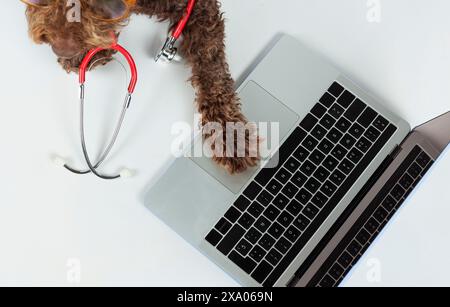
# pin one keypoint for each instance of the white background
(51, 220)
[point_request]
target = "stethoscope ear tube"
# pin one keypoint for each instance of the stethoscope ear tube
(90, 55)
(82, 78)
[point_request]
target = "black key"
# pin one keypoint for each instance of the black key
(319, 199)
(243, 247)
(381, 214)
(274, 257)
(231, 239)
(257, 253)
(345, 260)
(312, 185)
(334, 135)
(343, 125)
(267, 242)
(423, 160)
(319, 132)
(363, 144)
(328, 188)
(285, 219)
(398, 192)
(318, 110)
(299, 179)
(301, 222)
(348, 141)
(294, 207)
(356, 130)
(274, 187)
(213, 237)
(223, 226)
(346, 99)
(372, 134)
(262, 224)
(330, 163)
(253, 235)
(321, 174)
(327, 121)
(363, 237)
(276, 230)
(308, 168)
(301, 154)
(327, 282)
(354, 248)
(292, 234)
(355, 155)
(414, 170)
(325, 146)
(265, 175)
(327, 100)
(337, 177)
(303, 196)
(282, 201)
(262, 271)
(339, 152)
(291, 144)
(355, 110)
(252, 190)
(336, 111)
(271, 213)
(264, 198)
(372, 225)
(316, 157)
(406, 181)
(242, 203)
(246, 264)
(290, 190)
(310, 143)
(232, 214)
(380, 123)
(255, 209)
(367, 117)
(292, 165)
(283, 245)
(389, 203)
(336, 89)
(308, 122)
(246, 221)
(336, 271)
(283, 175)
(346, 166)
(310, 211)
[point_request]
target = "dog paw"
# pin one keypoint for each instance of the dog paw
(237, 165)
(236, 153)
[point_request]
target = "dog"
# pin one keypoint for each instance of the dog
(202, 47)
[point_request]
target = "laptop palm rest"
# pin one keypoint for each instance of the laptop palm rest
(260, 107)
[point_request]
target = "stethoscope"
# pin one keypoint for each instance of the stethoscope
(168, 53)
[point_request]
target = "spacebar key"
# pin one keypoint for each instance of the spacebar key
(231, 239)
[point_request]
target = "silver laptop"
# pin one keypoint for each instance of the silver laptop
(344, 167)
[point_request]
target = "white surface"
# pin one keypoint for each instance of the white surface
(52, 222)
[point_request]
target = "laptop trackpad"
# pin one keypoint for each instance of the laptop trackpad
(259, 106)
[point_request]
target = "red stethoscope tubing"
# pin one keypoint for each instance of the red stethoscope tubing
(123, 51)
(182, 24)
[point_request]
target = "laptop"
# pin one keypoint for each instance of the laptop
(305, 217)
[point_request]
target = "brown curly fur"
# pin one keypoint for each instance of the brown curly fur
(203, 47)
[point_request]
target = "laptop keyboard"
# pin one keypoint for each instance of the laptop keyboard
(279, 212)
(374, 219)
